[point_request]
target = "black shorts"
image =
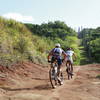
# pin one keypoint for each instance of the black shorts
(59, 60)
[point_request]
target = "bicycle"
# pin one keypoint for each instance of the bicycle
(54, 79)
(69, 70)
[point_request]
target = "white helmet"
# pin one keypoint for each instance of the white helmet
(57, 45)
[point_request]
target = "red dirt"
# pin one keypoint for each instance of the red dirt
(28, 81)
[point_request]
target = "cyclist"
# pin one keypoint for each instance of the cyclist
(56, 54)
(69, 60)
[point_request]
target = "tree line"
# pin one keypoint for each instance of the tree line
(91, 42)
(58, 32)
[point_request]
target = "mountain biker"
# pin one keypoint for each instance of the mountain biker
(56, 54)
(70, 53)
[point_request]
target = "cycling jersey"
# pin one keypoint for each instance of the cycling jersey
(57, 54)
(57, 51)
(69, 55)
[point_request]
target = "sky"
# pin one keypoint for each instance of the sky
(75, 13)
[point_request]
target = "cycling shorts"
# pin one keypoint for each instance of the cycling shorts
(59, 60)
(69, 59)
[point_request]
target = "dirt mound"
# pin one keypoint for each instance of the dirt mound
(21, 72)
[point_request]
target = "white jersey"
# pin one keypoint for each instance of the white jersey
(69, 55)
(57, 51)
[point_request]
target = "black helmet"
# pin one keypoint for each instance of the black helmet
(69, 48)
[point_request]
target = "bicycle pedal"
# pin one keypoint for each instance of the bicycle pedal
(54, 86)
(61, 83)
(71, 74)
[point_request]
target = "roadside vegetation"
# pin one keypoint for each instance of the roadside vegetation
(91, 43)
(57, 32)
(31, 42)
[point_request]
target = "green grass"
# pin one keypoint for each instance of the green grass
(17, 43)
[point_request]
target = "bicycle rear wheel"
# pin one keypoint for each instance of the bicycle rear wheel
(69, 72)
(53, 77)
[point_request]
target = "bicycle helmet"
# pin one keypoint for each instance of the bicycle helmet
(57, 45)
(69, 48)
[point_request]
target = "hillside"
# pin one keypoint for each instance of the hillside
(30, 42)
(58, 32)
(18, 44)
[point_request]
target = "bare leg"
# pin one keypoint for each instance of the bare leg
(71, 67)
(58, 71)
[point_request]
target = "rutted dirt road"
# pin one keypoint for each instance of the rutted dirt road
(30, 82)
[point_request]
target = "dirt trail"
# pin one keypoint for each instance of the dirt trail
(31, 82)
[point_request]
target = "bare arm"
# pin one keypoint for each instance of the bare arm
(65, 55)
(48, 57)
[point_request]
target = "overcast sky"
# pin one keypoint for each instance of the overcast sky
(74, 13)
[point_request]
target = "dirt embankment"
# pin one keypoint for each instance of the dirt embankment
(27, 81)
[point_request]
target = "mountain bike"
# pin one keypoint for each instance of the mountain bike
(53, 75)
(69, 69)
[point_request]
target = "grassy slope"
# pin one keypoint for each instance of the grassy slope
(17, 43)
